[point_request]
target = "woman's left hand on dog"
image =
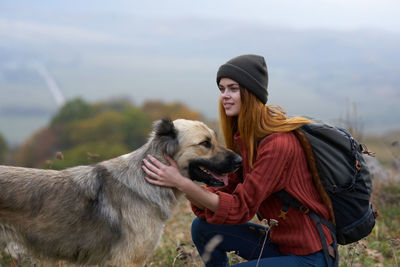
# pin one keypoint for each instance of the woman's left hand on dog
(162, 174)
(169, 175)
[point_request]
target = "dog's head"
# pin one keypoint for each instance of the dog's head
(195, 149)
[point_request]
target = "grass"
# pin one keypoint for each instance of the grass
(176, 249)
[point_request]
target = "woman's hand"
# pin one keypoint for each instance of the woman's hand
(162, 175)
(169, 175)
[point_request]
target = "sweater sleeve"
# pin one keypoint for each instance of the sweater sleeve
(266, 177)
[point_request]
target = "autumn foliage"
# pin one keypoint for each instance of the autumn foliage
(84, 133)
(3, 149)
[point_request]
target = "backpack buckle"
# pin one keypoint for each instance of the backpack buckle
(304, 209)
(283, 215)
(358, 166)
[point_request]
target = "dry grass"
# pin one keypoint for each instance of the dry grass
(380, 248)
(176, 247)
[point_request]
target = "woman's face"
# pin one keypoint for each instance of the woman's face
(230, 96)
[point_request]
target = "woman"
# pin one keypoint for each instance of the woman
(273, 159)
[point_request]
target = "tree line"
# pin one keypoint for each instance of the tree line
(85, 133)
(3, 148)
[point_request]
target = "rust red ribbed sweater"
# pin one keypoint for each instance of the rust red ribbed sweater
(280, 164)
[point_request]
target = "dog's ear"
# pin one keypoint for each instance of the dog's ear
(167, 135)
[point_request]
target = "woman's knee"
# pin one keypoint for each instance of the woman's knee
(196, 222)
(197, 226)
(202, 231)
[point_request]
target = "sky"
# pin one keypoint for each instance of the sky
(327, 53)
(304, 14)
(334, 14)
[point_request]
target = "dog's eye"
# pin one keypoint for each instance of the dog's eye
(206, 144)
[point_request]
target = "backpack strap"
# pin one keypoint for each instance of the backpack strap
(305, 143)
(290, 201)
(318, 220)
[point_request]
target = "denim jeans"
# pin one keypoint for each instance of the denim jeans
(247, 241)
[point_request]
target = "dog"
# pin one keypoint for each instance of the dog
(107, 214)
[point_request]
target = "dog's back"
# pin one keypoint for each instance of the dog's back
(53, 216)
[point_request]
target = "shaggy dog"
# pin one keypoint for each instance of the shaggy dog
(106, 213)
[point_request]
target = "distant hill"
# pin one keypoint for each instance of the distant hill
(317, 73)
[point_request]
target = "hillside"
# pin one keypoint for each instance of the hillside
(317, 73)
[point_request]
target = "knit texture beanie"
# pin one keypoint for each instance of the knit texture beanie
(250, 71)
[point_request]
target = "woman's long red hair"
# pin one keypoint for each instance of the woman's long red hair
(254, 122)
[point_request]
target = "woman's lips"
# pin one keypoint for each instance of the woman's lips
(228, 105)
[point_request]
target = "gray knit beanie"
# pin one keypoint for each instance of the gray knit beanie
(250, 71)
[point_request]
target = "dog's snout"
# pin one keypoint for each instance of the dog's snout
(237, 160)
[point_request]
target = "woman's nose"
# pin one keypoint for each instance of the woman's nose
(225, 94)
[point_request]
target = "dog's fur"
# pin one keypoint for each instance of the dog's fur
(106, 213)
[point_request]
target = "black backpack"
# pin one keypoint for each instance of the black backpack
(343, 180)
